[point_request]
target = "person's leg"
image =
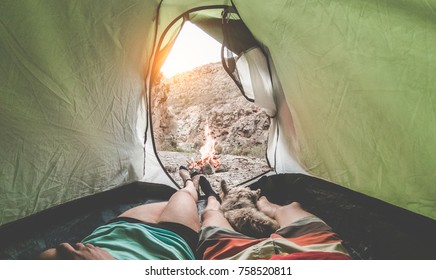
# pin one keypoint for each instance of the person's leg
(182, 206)
(148, 213)
(151, 213)
(284, 215)
(195, 176)
(212, 215)
(207, 188)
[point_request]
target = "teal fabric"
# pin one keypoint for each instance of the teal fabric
(135, 241)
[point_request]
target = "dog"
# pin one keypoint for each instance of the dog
(239, 208)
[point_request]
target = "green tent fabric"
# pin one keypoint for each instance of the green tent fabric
(72, 108)
(359, 79)
(353, 87)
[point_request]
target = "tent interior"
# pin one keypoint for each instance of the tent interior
(370, 228)
(349, 89)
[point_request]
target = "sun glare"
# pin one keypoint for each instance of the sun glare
(193, 48)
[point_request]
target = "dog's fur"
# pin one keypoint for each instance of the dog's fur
(239, 208)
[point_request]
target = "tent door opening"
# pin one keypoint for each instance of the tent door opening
(201, 120)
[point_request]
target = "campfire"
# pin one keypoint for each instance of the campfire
(208, 161)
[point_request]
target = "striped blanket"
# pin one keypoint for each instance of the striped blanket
(307, 238)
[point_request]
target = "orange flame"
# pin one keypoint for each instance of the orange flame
(207, 152)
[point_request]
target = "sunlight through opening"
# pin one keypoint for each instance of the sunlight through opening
(193, 48)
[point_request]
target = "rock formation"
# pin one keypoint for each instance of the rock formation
(185, 103)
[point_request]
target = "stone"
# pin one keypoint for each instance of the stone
(170, 168)
(222, 168)
(207, 169)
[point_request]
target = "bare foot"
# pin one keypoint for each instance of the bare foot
(79, 252)
(267, 207)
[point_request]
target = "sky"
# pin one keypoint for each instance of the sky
(193, 48)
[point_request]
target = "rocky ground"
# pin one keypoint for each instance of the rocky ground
(234, 169)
